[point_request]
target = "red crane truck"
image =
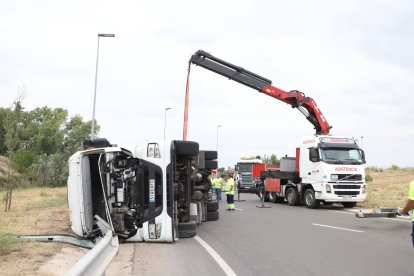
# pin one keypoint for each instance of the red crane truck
(326, 168)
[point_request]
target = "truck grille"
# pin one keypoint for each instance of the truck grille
(247, 180)
(349, 177)
(351, 193)
(347, 186)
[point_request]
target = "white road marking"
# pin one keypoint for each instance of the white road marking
(339, 228)
(222, 263)
(238, 209)
(342, 212)
(407, 220)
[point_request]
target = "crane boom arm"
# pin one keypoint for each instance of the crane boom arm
(296, 99)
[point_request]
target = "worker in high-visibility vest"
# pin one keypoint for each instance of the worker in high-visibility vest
(217, 186)
(230, 186)
(409, 206)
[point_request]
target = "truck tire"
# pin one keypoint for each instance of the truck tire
(212, 216)
(349, 204)
(292, 196)
(187, 229)
(211, 164)
(186, 148)
(278, 199)
(197, 195)
(310, 201)
(212, 206)
(210, 155)
(271, 196)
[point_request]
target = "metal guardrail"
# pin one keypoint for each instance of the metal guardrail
(58, 238)
(98, 259)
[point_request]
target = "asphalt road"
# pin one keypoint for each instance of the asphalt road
(284, 240)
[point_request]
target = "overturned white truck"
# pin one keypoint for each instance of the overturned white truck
(159, 193)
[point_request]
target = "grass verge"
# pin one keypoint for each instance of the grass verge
(33, 211)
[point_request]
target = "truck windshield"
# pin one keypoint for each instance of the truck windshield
(350, 156)
(245, 167)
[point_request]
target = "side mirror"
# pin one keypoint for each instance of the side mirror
(236, 168)
(314, 155)
(363, 156)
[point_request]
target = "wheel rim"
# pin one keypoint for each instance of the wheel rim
(290, 195)
(309, 198)
(271, 196)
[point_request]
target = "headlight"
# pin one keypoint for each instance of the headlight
(153, 150)
(157, 153)
(364, 189)
(334, 177)
(328, 188)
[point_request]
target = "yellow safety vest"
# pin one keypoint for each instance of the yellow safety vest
(411, 197)
(217, 183)
(230, 186)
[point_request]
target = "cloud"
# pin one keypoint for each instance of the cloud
(354, 60)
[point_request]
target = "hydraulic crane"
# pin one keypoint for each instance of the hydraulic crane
(296, 99)
(326, 168)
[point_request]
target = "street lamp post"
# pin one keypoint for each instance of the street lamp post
(165, 119)
(217, 137)
(96, 81)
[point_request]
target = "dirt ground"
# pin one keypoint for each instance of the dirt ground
(41, 211)
(44, 211)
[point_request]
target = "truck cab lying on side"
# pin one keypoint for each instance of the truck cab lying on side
(158, 193)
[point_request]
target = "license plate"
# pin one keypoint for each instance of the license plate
(347, 197)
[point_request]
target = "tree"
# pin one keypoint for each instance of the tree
(272, 160)
(12, 127)
(51, 169)
(39, 142)
(75, 131)
(43, 129)
(4, 113)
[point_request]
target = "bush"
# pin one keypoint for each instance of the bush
(375, 169)
(50, 170)
(394, 168)
(8, 243)
(368, 178)
(22, 159)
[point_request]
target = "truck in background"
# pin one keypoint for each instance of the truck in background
(326, 168)
(248, 173)
(158, 193)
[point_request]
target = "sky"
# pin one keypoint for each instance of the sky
(354, 58)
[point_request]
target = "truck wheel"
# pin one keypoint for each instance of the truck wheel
(211, 216)
(186, 148)
(349, 204)
(310, 200)
(278, 199)
(174, 222)
(187, 229)
(266, 199)
(271, 196)
(212, 206)
(210, 155)
(292, 196)
(211, 164)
